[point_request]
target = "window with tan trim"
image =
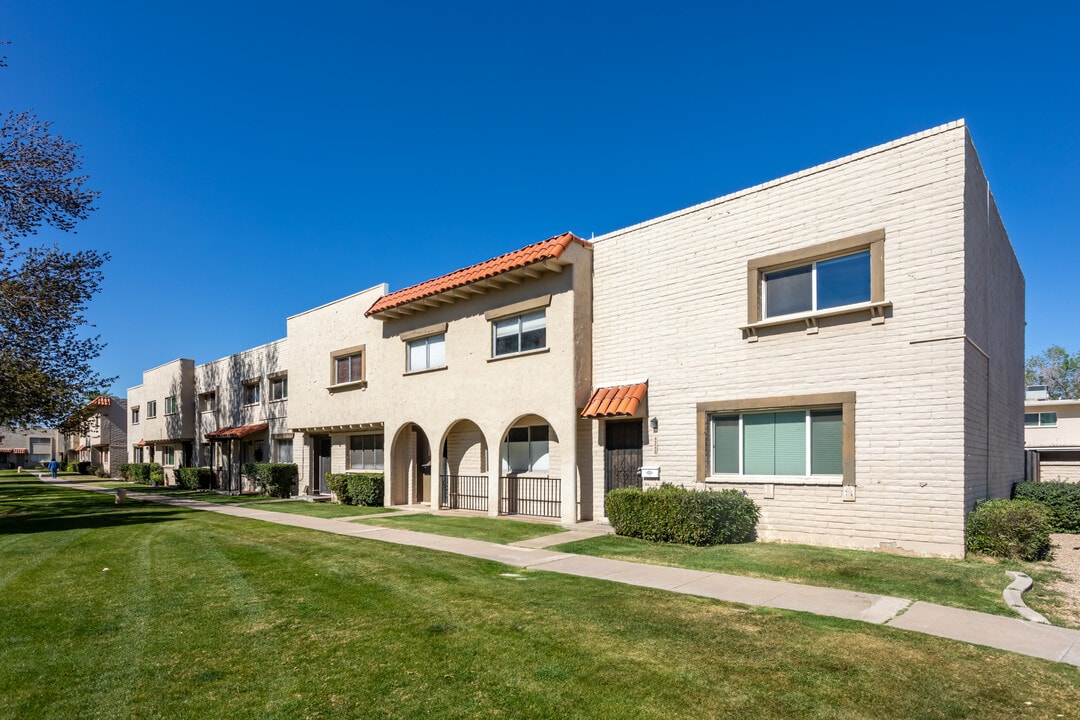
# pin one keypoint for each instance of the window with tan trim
(348, 367)
(802, 438)
(846, 275)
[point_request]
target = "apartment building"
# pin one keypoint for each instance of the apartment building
(1051, 436)
(102, 441)
(844, 345)
(30, 447)
(221, 414)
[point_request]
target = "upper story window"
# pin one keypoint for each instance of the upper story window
(526, 449)
(833, 278)
(1040, 419)
(170, 405)
(135, 415)
(279, 388)
(207, 402)
(151, 409)
(819, 285)
(427, 353)
(252, 393)
(348, 366)
(519, 334)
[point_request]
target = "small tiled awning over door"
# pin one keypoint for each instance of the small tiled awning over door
(239, 431)
(615, 401)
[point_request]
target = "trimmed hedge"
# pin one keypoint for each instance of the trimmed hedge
(157, 474)
(141, 472)
(357, 488)
(274, 479)
(1061, 499)
(124, 469)
(194, 478)
(78, 466)
(1011, 529)
(677, 515)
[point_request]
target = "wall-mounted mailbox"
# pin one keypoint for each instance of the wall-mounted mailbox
(649, 472)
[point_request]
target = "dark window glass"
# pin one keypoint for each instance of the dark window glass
(843, 281)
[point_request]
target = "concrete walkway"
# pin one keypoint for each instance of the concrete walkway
(1004, 633)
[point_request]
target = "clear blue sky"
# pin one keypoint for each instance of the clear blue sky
(257, 159)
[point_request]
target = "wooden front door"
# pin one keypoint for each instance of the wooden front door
(622, 454)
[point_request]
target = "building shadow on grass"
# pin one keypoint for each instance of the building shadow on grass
(30, 506)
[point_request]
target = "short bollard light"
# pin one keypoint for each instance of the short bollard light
(121, 496)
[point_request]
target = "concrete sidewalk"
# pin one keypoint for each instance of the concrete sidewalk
(1002, 633)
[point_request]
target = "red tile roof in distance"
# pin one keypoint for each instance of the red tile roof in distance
(549, 249)
(102, 400)
(238, 431)
(615, 401)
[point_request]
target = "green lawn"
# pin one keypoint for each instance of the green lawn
(150, 611)
(973, 584)
(474, 528)
(321, 509)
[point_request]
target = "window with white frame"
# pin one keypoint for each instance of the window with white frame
(170, 405)
(796, 442)
(820, 285)
(1040, 419)
(427, 353)
(366, 452)
(279, 388)
(207, 401)
(151, 408)
(520, 333)
(526, 449)
(252, 393)
(135, 415)
(283, 450)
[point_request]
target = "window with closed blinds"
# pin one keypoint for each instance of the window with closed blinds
(826, 442)
(785, 442)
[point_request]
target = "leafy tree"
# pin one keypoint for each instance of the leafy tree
(1057, 370)
(45, 372)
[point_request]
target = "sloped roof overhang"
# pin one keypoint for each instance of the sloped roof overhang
(531, 261)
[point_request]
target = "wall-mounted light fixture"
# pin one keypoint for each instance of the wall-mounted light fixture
(654, 424)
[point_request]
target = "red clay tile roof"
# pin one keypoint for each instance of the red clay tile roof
(80, 448)
(238, 431)
(102, 400)
(549, 249)
(616, 401)
(13, 451)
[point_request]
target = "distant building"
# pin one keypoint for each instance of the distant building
(30, 448)
(103, 443)
(1051, 436)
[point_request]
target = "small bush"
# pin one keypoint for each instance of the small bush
(1061, 499)
(690, 517)
(101, 472)
(72, 466)
(194, 478)
(157, 474)
(139, 472)
(274, 479)
(124, 470)
(357, 488)
(1011, 529)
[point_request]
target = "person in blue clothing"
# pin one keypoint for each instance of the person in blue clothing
(53, 467)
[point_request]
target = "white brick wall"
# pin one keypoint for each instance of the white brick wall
(670, 297)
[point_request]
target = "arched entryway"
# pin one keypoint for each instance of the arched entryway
(411, 466)
(529, 462)
(464, 468)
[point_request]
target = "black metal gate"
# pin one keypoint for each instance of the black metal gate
(622, 454)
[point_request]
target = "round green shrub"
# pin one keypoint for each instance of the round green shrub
(1010, 529)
